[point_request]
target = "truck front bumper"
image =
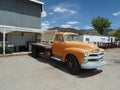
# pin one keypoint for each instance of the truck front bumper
(93, 64)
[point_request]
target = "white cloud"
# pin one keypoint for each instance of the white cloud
(45, 25)
(51, 13)
(53, 21)
(66, 26)
(72, 22)
(116, 13)
(62, 10)
(69, 26)
(76, 28)
(88, 27)
(44, 14)
(72, 12)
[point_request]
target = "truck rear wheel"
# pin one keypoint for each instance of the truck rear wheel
(47, 54)
(73, 65)
(34, 52)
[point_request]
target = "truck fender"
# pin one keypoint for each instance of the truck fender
(78, 53)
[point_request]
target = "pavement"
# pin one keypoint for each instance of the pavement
(28, 73)
(15, 54)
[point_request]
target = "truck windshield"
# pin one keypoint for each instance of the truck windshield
(71, 37)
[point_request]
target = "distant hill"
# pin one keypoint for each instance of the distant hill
(60, 29)
(106, 31)
(82, 31)
(89, 32)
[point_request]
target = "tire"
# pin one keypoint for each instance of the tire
(34, 52)
(73, 65)
(47, 54)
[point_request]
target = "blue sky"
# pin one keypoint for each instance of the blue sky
(79, 13)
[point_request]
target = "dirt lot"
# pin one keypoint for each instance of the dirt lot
(27, 73)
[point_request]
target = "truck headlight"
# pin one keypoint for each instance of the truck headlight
(85, 53)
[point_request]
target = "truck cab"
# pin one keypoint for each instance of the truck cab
(67, 48)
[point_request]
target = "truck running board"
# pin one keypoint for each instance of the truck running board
(56, 58)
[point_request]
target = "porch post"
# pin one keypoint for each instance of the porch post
(4, 42)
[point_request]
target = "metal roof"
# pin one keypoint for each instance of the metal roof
(38, 2)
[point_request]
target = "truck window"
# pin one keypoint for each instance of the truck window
(59, 38)
(72, 37)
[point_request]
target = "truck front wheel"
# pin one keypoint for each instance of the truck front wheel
(73, 65)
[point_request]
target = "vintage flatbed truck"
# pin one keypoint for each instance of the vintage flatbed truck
(66, 47)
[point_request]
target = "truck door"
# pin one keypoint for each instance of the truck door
(58, 45)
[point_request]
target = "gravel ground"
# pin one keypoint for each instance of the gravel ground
(27, 73)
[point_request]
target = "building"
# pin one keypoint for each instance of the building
(92, 36)
(96, 39)
(20, 22)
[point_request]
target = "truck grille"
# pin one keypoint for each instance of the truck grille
(94, 56)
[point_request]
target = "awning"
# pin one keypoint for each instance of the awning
(6, 29)
(14, 28)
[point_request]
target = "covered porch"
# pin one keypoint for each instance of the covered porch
(15, 39)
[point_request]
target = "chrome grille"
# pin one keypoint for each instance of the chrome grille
(95, 56)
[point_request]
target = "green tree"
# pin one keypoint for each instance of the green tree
(116, 34)
(100, 23)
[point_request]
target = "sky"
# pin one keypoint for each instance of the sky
(79, 13)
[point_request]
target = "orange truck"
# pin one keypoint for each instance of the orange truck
(66, 47)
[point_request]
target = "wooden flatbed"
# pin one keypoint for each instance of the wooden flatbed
(44, 46)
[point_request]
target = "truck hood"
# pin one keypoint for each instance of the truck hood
(81, 45)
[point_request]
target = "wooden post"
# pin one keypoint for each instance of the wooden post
(3, 42)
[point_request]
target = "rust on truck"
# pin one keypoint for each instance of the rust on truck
(67, 48)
